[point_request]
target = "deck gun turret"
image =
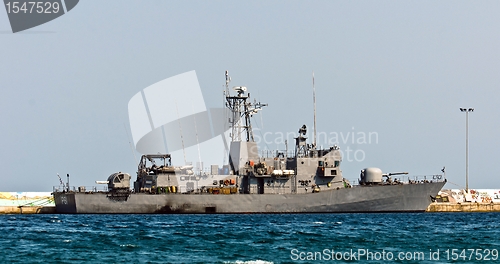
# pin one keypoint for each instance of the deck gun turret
(375, 175)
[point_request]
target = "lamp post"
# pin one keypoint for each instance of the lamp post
(467, 110)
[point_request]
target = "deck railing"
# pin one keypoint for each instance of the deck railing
(60, 188)
(413, 179)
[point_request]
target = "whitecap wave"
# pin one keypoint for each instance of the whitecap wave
(129, 245)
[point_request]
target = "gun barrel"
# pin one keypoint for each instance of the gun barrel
(397, 173)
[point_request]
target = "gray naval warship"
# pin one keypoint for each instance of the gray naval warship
(305, 180)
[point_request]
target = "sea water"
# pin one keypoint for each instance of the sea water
(259, 238)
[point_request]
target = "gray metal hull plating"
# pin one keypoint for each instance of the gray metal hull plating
(383, 198)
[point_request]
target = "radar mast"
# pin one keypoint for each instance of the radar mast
(241, 112)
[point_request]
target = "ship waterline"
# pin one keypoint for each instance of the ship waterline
(394, 198)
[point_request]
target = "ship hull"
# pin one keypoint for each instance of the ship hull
(377, 198)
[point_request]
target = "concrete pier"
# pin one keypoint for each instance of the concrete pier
(27, 209)
(27, 203)
(466, 207)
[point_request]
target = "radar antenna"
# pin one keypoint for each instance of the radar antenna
(314, 102)
(241, 111)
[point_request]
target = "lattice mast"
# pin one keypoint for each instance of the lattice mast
(241, 112)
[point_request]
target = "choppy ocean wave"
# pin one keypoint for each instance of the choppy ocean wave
(249, 238)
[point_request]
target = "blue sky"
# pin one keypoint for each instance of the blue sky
(400, 69)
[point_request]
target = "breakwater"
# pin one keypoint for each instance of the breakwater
(466, 207)
(27, 209)
(26, 203)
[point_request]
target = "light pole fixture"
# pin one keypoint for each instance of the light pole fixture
(467, 110)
